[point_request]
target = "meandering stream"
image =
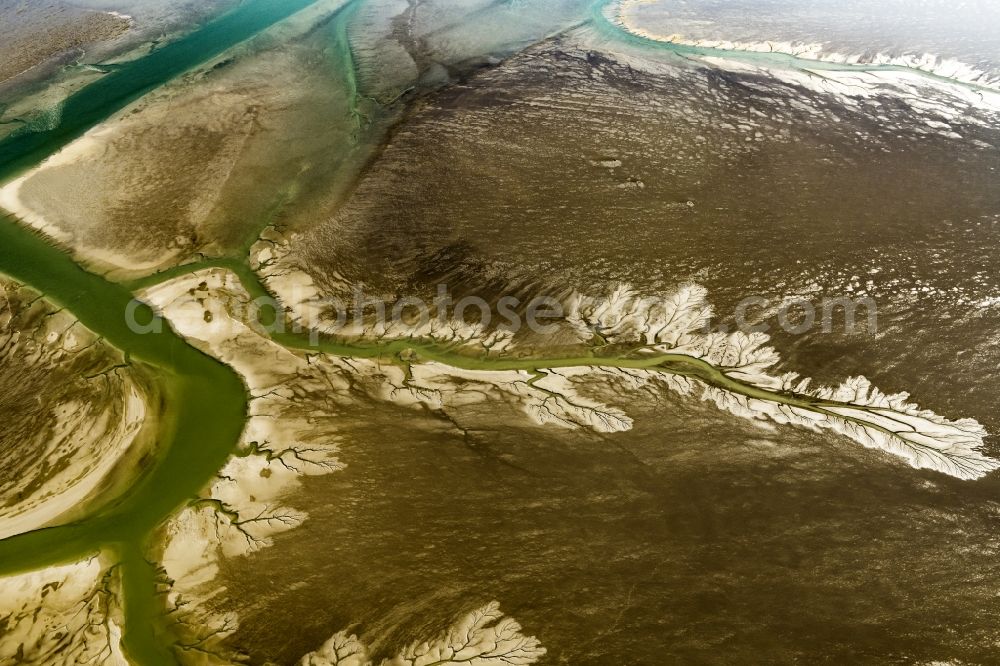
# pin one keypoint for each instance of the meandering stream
(206, 400)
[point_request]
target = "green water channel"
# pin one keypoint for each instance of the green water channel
(129, 81)
(206, 402)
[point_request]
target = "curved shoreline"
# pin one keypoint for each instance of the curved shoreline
(209, 405)
(779, 59)
(209, 399)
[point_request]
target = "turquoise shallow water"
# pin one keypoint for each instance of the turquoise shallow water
(24, 147)
(962, 32)
(207, 401)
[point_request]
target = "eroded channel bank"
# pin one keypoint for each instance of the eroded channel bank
(207, 401)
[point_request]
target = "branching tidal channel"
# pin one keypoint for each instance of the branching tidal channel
(206, 401)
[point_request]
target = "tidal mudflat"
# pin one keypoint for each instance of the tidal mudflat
(646, 482)
(73, 411)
